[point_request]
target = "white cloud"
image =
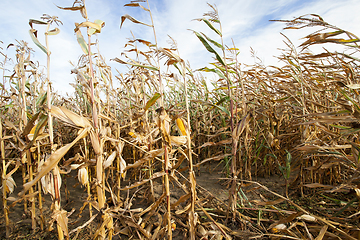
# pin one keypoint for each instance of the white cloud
(246, 22)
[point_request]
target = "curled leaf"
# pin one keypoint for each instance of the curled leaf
(54, 31)
(136, 5)
(33, 36)
(126, 16)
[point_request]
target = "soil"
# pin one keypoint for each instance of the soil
(210, 181)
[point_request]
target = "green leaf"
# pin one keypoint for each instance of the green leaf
(42, 122)
(41, 100)
(36, 41)
(209, 48)
(82, 42)
(350, 99)
(135, 64)
(213, 42)
(344, 40)
(212, 26)
(213, 105)
(288, 164)
(152, 101)
(206, 69)
(340, 127)
(224, 99)
(269, 155)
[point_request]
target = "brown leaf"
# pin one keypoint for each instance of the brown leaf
(148, 156)
(154, 176)
(318, 185)
(280, 200)
(241, 126)
(322, 233)
(126, 16)
(61, 219)
(53, 160)
(136, 5)
(215, 158)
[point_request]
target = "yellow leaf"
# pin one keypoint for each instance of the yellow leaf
(152, 101)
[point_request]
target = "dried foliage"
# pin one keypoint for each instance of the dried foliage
(298, 121)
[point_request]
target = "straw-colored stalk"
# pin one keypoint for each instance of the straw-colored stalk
(42, 218)
(166, 150)
(2, 148)
(19, 69)
(57, 202)
(100, 188)
(88, 188)
(6, 210)
(32, 199)
(192, 216)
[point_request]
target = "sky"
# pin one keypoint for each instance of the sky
(246, 22)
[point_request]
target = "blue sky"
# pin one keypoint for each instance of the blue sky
(244, 21)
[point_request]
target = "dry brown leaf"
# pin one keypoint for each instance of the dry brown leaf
(178, 140)
(317, 185)
(60, 216)
(215, 158)
(137, 184)
(322, 233)
(70, 117)
(270, 202)
(53, 160)
(148, 156)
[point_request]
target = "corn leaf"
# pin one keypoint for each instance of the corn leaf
(34, 21)
(136, 5)
(54, 31)
(36, 41)
(53, 160)
(209, 48)
(213, 42)
(211, 26)
(126, 16)
(82, 42)
(135, 65)
(152, 101)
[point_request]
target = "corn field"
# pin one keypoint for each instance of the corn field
(161, 152)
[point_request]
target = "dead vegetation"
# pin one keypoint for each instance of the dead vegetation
(136, 148)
